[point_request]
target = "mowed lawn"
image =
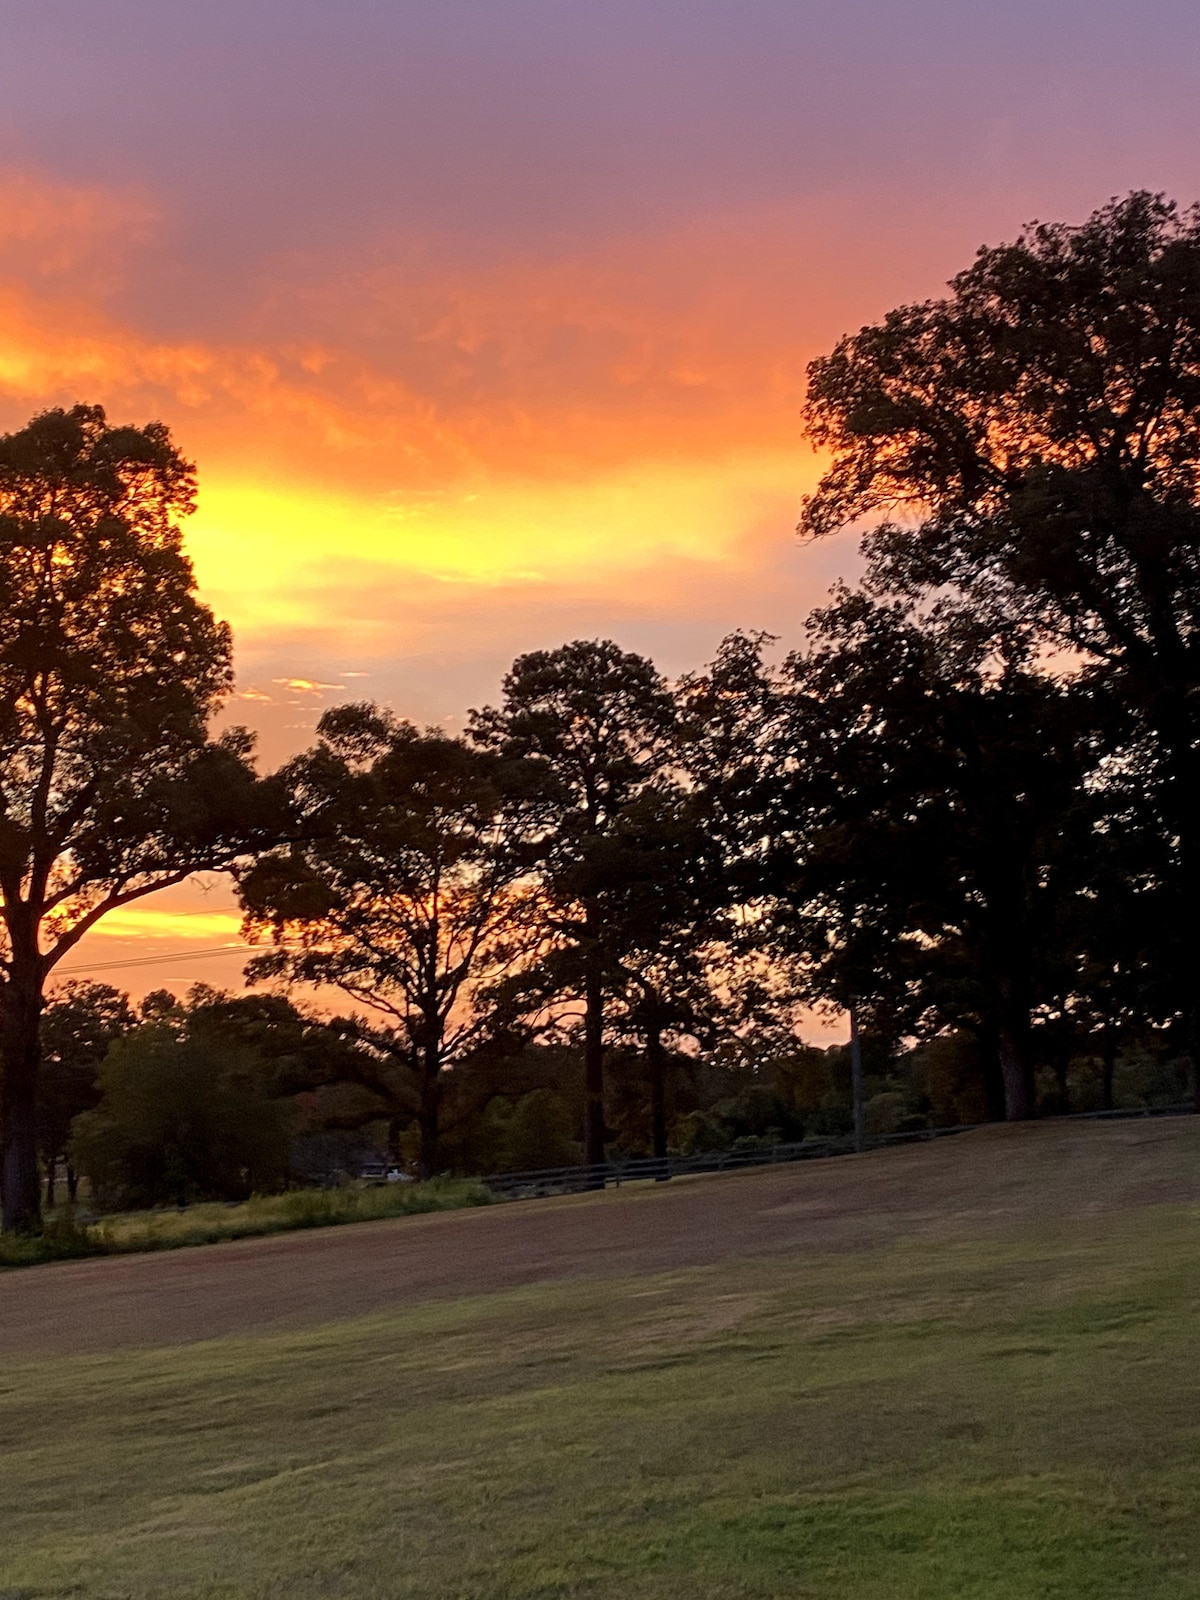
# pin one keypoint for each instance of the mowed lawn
(1006, 1406)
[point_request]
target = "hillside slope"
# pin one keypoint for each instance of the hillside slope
(966, 1371)
(978, 1185)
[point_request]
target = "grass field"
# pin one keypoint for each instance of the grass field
(989, 1407)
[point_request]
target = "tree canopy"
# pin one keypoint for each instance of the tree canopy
(594, 727)
(1031, 444)
(110, 670)
(400, 888)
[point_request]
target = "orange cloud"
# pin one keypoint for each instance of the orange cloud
(53, 230)
(415, 376)
(532, 422)
(612, 431)
(413, 470)
(392, 447)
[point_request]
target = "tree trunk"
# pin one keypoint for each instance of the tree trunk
(1017, 1070)
(20, 1050)
(1175, 722)
(993, 1077)
(1189, 927)
(593, 1055)
(51, 1175)
(1062, 1074)
(395, 1151)
(429, 1116)
(427, 1161)
(656, 1063)
(72, 1184)
(858, 1093)
(1108, 1061)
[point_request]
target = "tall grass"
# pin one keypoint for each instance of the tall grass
(62, 1239)
(263, 1214)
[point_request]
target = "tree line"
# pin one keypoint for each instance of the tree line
(965, 808)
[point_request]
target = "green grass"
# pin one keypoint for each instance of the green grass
(1015, 1420)
(62, 1239)
(135, 1231)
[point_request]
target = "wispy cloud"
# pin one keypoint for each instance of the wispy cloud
(306, 685)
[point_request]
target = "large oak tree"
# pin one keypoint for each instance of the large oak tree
(110, 669)
(933, 820)
(1030, 446)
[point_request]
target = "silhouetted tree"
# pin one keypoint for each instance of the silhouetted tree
(482, 1127)
(401, 889)
(320, 1065)
(298, 1050)
(593, 726)
(936, 793)
(1032, 442)
(109, 671)
(661, 878)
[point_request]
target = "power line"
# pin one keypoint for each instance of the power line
(152, 961)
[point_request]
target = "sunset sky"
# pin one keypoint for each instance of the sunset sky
(487, 322)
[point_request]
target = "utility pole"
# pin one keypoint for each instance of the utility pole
(856, 1083)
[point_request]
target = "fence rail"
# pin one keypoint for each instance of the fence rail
(544, 1181)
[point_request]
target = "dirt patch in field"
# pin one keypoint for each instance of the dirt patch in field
(976, 1183)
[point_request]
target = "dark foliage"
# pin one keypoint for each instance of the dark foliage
(110, 669)
(182, 1117)
(1032, 441)
(80, 1023)
(400, 888)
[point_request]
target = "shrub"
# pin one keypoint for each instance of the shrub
(62, 1239)
(284, 1213)
(180, 1119)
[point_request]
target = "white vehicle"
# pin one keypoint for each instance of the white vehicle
(384, 1172)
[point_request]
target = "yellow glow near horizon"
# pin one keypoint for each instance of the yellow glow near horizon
(270, 555)
(546, 434)
(145, 920)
